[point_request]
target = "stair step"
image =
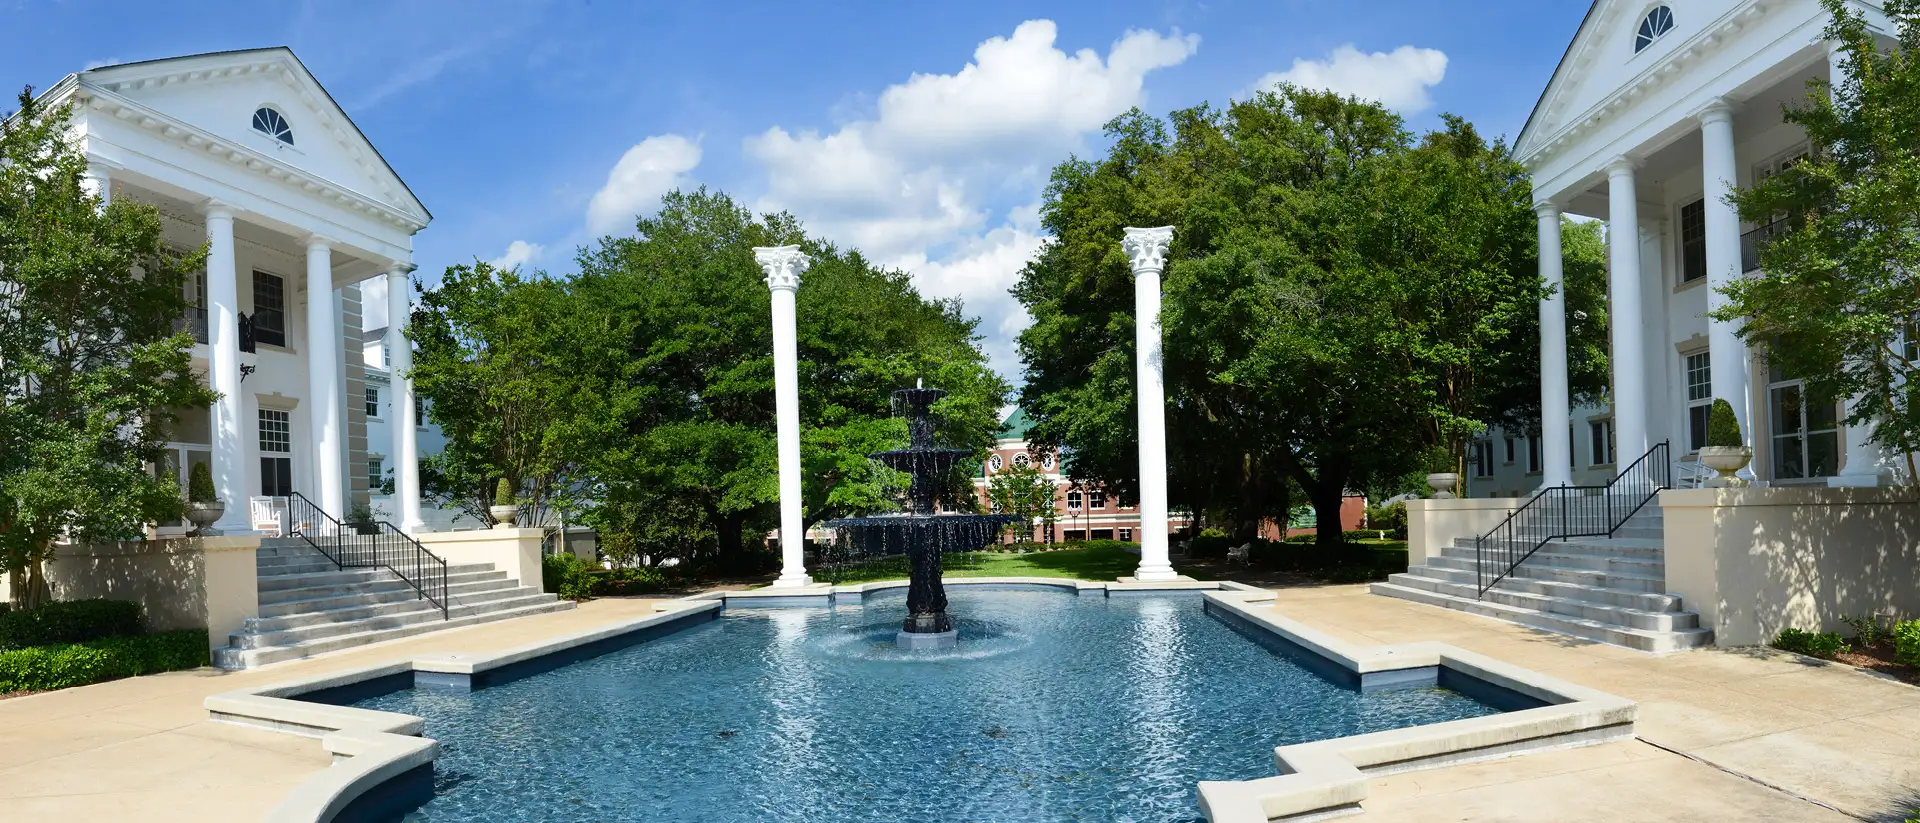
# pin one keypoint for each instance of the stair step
(1626, 546)
(228, 657)
(1547, 556)
(311, 579)
(374, 580)
(425, 614)
(1641, 639)
(1626, 584)
(1601, 611)
(359, 610)
(391, 591)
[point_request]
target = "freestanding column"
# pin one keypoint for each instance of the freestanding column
(406, 447)
(1148, 250)
(323, 371)
(223, 370)
(783, 266)
(1629, 359)
(1556, 452)
(1726, 351)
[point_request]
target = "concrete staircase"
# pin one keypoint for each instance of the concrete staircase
(1610, 590)
(308, 607)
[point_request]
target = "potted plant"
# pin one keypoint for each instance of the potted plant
(203, 508)
(1726, 452)
(504, 509)
(1442, 474)
(361, 519)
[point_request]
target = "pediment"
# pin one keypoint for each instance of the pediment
(219, 94)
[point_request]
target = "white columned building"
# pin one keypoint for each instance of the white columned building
(1147, 249)
(1657, 112)
(783, 266)
(245, 152)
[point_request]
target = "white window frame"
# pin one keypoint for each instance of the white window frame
(1777, 439)
(1595, 445)
(1698, 395)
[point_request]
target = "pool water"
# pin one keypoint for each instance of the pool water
(1054, 708)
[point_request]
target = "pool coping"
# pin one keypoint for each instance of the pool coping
(373, 749)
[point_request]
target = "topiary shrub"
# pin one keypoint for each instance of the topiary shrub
(200, 484)
(69, 621)
(503, 494)
(1209, 543)
(1723, 429)
(567, 576)
(1906, 643)
(44, 668)
(1824, 645)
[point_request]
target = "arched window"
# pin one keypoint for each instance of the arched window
(269, 122)
(1073, 501)
(994, 462)
(1021, 461)
(1047, 462)
(1659, 21)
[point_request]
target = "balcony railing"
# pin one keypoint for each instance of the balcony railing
(1753, 241)
(195, 322)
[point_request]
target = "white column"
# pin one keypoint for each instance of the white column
(406, 445)
(1556, 451)
(97, 180)
(1629, 355)
(1726, 351)
(783, 266)
(323, 388)
(223, 371)
(1147, 248)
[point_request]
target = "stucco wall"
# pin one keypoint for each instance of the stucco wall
(1433, 524)
(1755, 561)
(514, 551)
(181, 583)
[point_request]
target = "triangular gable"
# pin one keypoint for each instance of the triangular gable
(219, 93)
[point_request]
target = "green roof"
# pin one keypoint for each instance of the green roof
(1016, 426)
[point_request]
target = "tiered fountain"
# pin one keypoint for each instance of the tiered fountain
(921, 532)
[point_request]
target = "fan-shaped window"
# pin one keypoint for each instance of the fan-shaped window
(994, 462)
(1657, 22)
(269, 122)
(1021, 461)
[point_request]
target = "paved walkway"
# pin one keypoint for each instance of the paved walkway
(1846, 741)
(142, 749)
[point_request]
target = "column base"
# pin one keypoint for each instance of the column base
(787, 581)
(414, 526)
(1148, 574)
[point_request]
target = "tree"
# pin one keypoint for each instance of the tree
(1838, 291)
(1339, 298)
(1024, 492)
(91, 365)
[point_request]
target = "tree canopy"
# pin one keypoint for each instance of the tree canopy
(1340, 298)
(92, 367)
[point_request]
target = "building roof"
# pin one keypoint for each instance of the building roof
(1016, 426)
(1534, 116)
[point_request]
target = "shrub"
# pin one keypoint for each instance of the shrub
(1209, 543)
(1357, 535)
(200, 484)
(69, 621)
(567, 576)
(1906, 643)
(1723, 429)
(503, 494)
(43, 668)
(1824, 645)
(626, 581)
(1390, 519)
(1868, 631)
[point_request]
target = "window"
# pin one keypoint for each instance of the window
(1097, 499)
(1657, 23)
(1533, 453)
(994, 463)
(1806, 440)
(373, 402)
(1480, 454)
(1693, 241)
(1102, 534)
(1047, 462)
(419, 412)
(1126, 534)
(276, 453)
(376, 472)
(1699, 370)
(270, 123)
(1073, 501)
(1510, 450)
(1022, 461)
(269, 309)
(1600, 442)
(386, 356)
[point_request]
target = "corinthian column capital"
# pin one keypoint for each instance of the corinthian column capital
(782, 264)
(1147, 248)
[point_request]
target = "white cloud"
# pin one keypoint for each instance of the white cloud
(651, 168)
(1400, 79)
(915, 184)
(519, 253)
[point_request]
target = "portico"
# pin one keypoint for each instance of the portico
(244, 152)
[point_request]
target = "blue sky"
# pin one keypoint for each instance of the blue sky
(921, 132)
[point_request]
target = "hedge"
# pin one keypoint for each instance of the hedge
(70, 621)
(567, 575)
(627, 581)
(44, 668)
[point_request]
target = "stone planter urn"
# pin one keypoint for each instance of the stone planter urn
(204, 515)
(1726, 460)
(1443, 484)
(503, 515)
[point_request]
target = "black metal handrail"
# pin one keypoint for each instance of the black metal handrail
(194, 321)
(353, 546)
(1752, 242)
(1561, 512)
